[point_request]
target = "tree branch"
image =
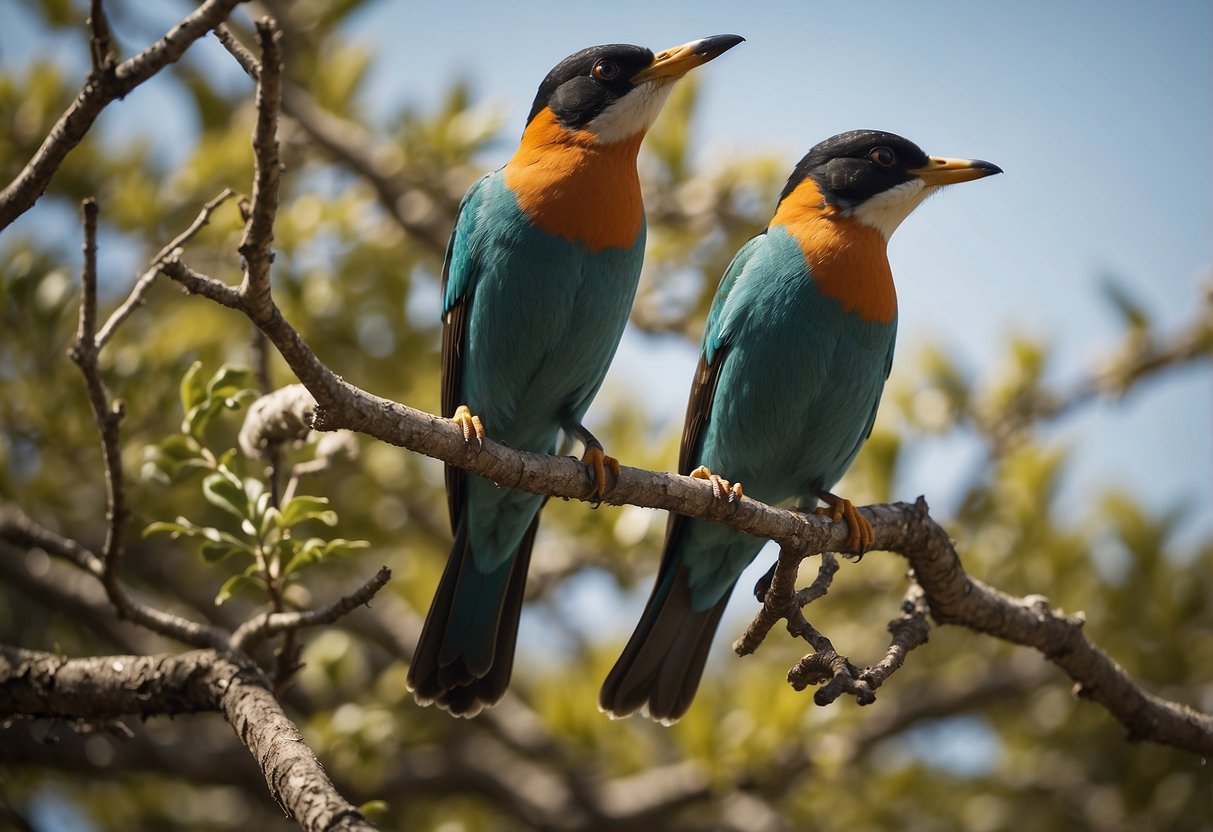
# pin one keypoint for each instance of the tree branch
(1142, 355)
(19, 530)
(256, 245)
(268, 624)
(952, 596)
(144, 283)
(39, 684)
(99, 40)
(101, 88)
(84, 353)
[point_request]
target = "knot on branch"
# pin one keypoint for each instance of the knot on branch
(284, 415)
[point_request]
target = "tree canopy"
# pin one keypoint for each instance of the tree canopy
(278, 574)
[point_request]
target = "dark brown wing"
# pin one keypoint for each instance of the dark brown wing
(699, 408)
(454, 324)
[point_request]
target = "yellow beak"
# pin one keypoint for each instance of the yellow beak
(942, 171)
(678, 61)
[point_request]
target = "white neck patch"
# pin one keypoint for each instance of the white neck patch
(887, 210)
(634, 113)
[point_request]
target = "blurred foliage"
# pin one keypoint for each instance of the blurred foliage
(971, 735)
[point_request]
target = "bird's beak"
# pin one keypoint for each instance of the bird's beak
(678, 61)
(941, 171)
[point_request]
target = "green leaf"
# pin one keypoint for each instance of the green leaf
(1130, 308)
(229, 387)
(174, 459)
(241, 399)
(315, 549)
(213, 552)
(304, 507)
(182, 526)
(224, 490)
(193, 391)
(234, 584)
(272, 518)
(229, 381)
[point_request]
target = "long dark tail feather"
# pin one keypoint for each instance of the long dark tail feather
(660, 668)
(465, 654)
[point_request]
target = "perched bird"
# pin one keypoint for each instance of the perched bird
(796, 350)
(539, 278)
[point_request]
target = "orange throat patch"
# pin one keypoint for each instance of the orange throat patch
(572, 187)
(849, 260)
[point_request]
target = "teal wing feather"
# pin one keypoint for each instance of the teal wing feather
(459, 270)
(716, 335)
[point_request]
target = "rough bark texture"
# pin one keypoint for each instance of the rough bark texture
(37, 684)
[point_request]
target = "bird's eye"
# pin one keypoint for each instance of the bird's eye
(606, 70)
(882, 156)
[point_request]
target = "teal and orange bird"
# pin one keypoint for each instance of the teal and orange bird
(796, 350)
(539, 278)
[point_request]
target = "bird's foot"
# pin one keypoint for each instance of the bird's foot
(473, 430)
(838, 508)
(598, 463)
(731, 493)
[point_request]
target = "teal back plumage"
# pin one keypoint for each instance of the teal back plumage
(797, 393)
(544, 321)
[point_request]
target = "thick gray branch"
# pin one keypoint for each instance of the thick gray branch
(39, 684)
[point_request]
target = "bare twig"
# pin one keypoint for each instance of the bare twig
(68, 591)
(247, 60)
(329, 447)
(269, 624)
(84, 353)
(144, 283)
(1141, 356)
(99, 39)
(101, 89)
(911, 629)
(256, 247)
(780, 600)
(257, 244)
(200, 284)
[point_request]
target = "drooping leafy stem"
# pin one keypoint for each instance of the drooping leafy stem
(262, 532)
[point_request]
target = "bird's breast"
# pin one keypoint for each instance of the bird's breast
(575, 188)
(848, 260)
